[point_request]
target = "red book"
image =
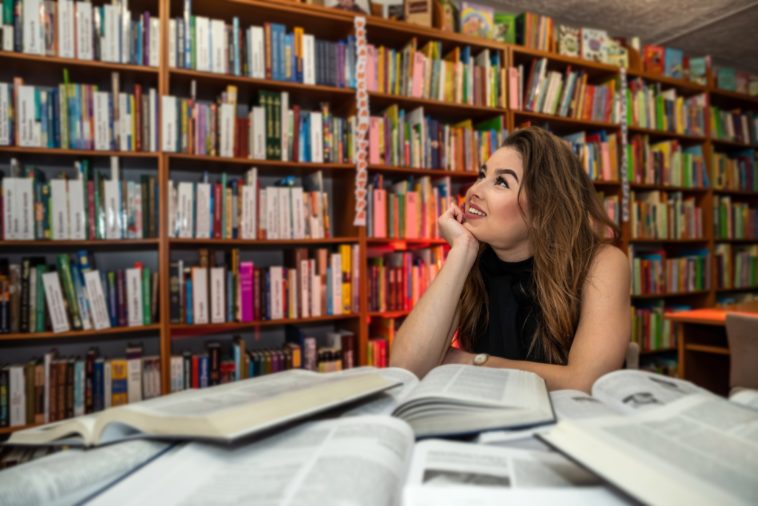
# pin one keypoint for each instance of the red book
(218, 209)
(654, 58)
(138, 117)
(195, 371)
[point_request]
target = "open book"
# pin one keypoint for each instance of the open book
(369, 460)
(459, 399)
(668, 443)
(222, 413)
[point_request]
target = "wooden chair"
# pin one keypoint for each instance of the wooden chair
(742, 334)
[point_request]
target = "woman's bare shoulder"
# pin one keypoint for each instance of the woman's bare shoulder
(609, 261)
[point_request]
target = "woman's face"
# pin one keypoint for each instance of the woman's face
(492, 212)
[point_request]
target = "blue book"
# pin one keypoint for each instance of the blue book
(188, 301)
(673, 66)
(236, 46)
(98, 390)
(204, 373)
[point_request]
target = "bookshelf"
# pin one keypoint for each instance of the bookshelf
(366, 322)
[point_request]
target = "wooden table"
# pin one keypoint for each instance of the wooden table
(703, 347)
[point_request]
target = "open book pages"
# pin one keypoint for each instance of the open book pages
(458, 495)
(462, 399)
(367, 460)
(223, 413)
(385, 402)
(700, 449)
(747, 397)
(70, 476)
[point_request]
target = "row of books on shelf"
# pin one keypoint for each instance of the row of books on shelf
(414, 139)
(735, 125)
(70, 29)
(649, 327)
(72, 294)
(570, 95)
(736, 170)
(313, 283)
(736, 266)
(665, 215)
(666, 163)
(54, 387)
(457, 77)
(270, 130)
(82, 206)
(650, 106)
(406, 208)
(734, 220)
(598, 152)
(654, 271)
(396, 281)
(267, 51)
(240, 208)
(78, 116)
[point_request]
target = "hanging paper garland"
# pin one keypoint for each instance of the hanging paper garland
(362, 113)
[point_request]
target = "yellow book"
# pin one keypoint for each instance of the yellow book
(381, 70)
(345, 256)
(119, 382)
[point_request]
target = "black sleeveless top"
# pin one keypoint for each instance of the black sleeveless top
(513, 310)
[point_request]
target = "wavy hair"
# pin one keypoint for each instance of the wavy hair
(567, 225)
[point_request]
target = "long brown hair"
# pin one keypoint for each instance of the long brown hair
(567, 225)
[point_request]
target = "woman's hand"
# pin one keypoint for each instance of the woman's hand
(453, 231)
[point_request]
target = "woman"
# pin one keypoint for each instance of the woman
(530, 281)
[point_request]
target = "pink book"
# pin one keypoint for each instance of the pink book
(417, 87)
(246, 290)
(513, 89)
(380, 212)
(606, 158)
(375, 125)
(371, 82)
(411, 215)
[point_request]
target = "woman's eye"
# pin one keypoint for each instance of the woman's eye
(481, 175)
(501, 181)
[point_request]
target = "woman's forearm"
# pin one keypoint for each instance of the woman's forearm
(423, 339)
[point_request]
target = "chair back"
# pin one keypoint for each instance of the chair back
(742, 334)
(632, 359)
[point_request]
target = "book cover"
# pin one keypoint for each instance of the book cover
(505, 27)
(477, 20)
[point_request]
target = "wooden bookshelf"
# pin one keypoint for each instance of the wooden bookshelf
(334, 24)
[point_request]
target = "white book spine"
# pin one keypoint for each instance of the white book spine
(285, 213)
(304, 283)
(218, 293)
(134, 297)
(77, 217)
(226, 122)
(79, 379)
(298, 213)
(257, 52)
(172, 231)
(277, 293)
(172, 43)
(125, 120)
(184, 212)
(107, 384)
(219, 46)
(153, 101)
(168, 132)
(317, 139)
(112, 209)
(55, 304)
(84, 46)
(16, 396)
(272, 210)
(59, 209)
(309, 59)
(10, 219)
(106, 46)
(155, 42)
(259, 133)
(24, 209)
(200, 295)
(315, 289)
(202, 44)
(66, 29)
(8, 37)
(33, 36)
(27, 135)
(134, 383)
(47, 362)
(102, 121)
(248, 228)
(203, 225)
(5, 117)
(177, 373)
(96, 298)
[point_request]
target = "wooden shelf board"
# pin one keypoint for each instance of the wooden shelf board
(88, 244)
(655, 352)
(574, 122)
(79, 334)
(415, 241)
(669, 294)
(581, 63)
(77, 152)
(76, 62)
(727, 191)
(649, 186)
(389, 314)
(688, 87)
(666, 135)
(716, 350)
(186, 330)
(667, 241)
(261, 242)
(10, 430)
(264, 163)
(382, 100)
(731, 144)
(738, 289)
(423, 172)
(734, 95)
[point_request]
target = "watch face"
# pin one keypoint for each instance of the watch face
(480, 358)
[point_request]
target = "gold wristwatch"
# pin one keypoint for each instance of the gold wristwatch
(481, 358)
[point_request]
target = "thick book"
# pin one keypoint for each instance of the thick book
(221, 413)
(458, 399)
(660, 440)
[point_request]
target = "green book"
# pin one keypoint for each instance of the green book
(276, 142)
(40, 302)
(505, 27)
(64, 271)
(146, 306)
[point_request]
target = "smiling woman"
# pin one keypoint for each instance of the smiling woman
(531, 281)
